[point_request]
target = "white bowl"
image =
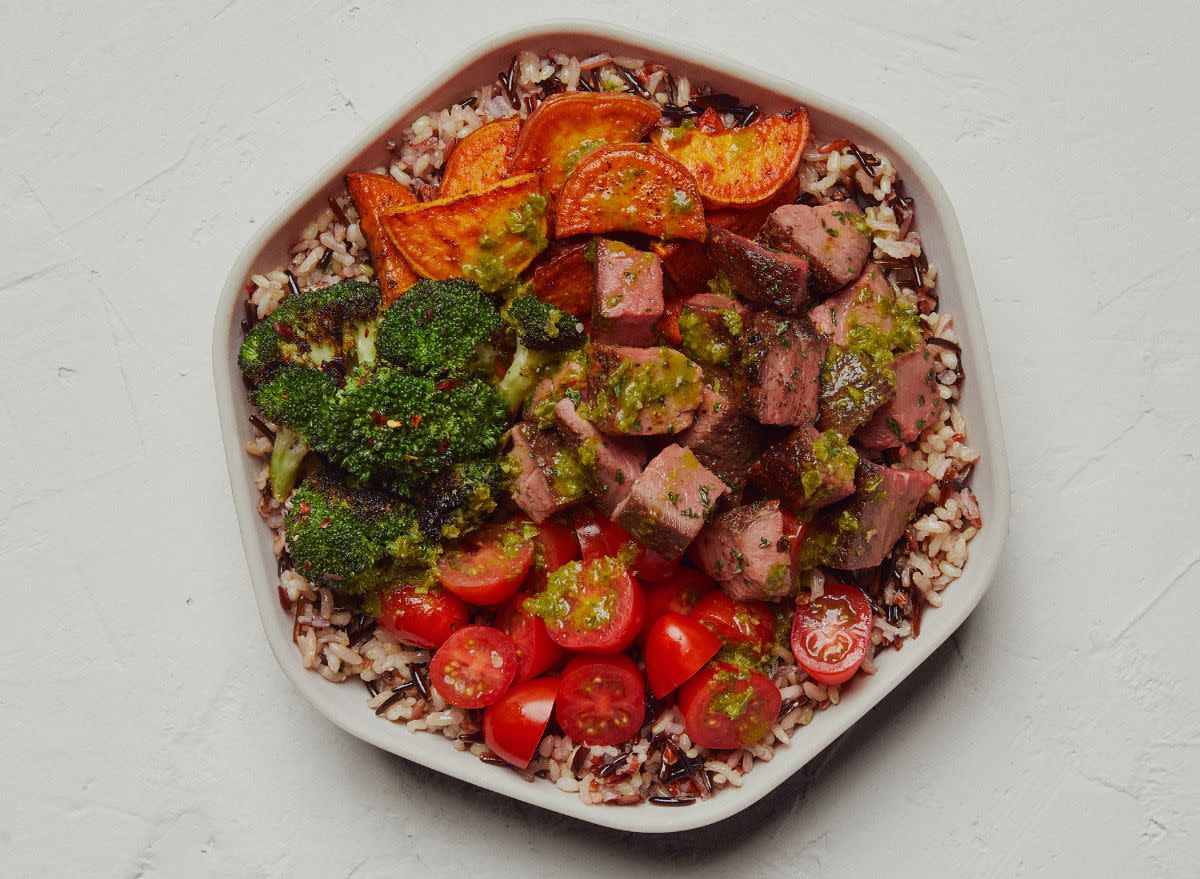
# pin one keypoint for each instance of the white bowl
(345, 704)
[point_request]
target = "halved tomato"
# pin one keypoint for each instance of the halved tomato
(488, 565)
(474, 667)
(676, 648)
(630, 188)
(594, 606)
(738, 166)
(536, 652)
(679, 593)
(830, 634)
(746, 624)
(599, 537)
(726, 707)
(422, 616)
(601, 699)
(514, 726)
(553, 547)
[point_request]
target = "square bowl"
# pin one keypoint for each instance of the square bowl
(942, 238)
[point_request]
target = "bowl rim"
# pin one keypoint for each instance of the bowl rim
(643, 818)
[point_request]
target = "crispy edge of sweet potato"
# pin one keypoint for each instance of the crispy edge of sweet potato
(374, 195)
(566, 279)
(481, 158)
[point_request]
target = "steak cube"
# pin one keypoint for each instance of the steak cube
(722, 437)
(757, 273)
(869, 301)
(853, 386)
(641, 391)
(748, 551)
(861, 530)
(569, 380)
(628, 297)
(709, 327)
(917, 403)
(830, 236)
(807, 470)
(614, 464)
(668, 503)
(779, 366)
(548, 474)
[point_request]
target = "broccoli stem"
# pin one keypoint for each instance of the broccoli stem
(359, 339)
(286, 456)
(522, 375)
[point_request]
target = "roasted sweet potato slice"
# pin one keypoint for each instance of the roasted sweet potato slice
(630, 188)
(566, 277)
(747, 221)
(739, 166)
(481, 158)
(374, 195)
(488, 236)
(567, 126)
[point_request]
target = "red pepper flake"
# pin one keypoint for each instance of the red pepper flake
(416, 421)
(304, 508)
(378, 419)
(308, 566)
(325, 523)
(444, 444)
(834, 146)
(285, 331)
(448, 384)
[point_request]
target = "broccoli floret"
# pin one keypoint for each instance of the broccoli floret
(435, 327)
(389, 423)
(337, 535)
(459, 499)
(298, 400)
(331, 326)
(543, 333)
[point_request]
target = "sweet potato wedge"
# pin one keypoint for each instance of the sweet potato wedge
(566, 278)
(630, 188)
(488, 236)
(374, 195)
(481, 158)
(567, 126)
(739, 166)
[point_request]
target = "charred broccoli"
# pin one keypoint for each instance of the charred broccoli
(338, 535)
(408, 428)
(330, 327)
(436, 326)
(543, 332)
(298, 400)
(460, 498)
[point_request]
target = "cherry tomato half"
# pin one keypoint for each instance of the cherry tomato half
(592, 606)
(599, 537)
(422, 616)
(677, 594)
(474, 667)
(676, 648)
(488, 565)
(513, 727)
(748, 624)
(554, 546)
(601, 700)
(830, 634)
(724, 707)
(535, 651)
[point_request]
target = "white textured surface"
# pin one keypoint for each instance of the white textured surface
(144, 726)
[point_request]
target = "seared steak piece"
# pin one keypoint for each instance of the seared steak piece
(807, 470)
(613, 463)
(748, 550)
(668, 503)
(869, 301)
(853, 386)
(568, 380)
(779, 365)
(916, 405)
(722, 437)
(861, 530)
(547, 477)
(827, 235)
(757, 273)
(709, 326)
(629, 295)
(641, 391)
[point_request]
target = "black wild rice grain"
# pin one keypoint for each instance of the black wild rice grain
(338, 212)
(868, 161)
(284, 601)
(577, 758)
(262, 427)
(251, 314)
(323, 265)
(718, 101)
(293, 284)
(492, 760)
(420, 684)
(944, 343)
(398, 693)
(614, 767)
(470, 737)
(469, 102)
(672, 801)
(633, 83)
